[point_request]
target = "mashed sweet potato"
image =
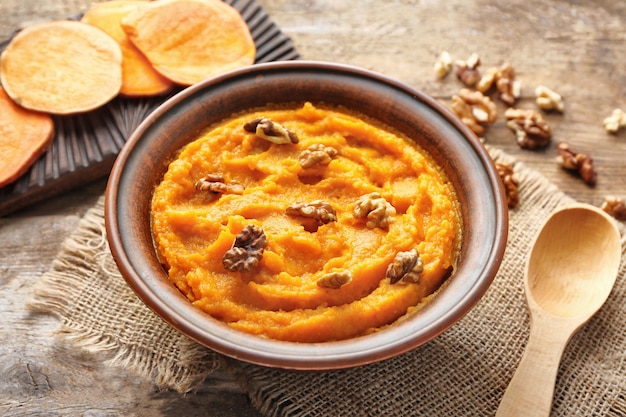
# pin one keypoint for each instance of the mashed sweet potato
(296, 235)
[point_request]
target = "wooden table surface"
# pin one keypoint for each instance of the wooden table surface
(577, 48)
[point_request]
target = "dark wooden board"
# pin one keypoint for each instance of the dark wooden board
(85, 145)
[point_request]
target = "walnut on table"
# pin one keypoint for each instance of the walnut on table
(467, 71)
(548, 99)
(530, 128)
(510, 182)
(474, 109)
(503, 78)
(579, 162)
(615, 121)
(443, 66)
(508, 87)
(487, 80)
(615, 206)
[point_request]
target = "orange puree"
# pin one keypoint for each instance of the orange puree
(280, 297)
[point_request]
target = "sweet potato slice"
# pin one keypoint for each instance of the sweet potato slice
(190, 40)
(24, 136)
(139, 78)
(61, 67)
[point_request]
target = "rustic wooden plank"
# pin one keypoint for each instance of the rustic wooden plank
(576, 48)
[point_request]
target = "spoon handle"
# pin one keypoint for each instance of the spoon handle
(531, 390)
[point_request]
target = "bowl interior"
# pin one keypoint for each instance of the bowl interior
(144, 159)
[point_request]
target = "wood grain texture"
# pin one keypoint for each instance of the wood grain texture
(576, 48)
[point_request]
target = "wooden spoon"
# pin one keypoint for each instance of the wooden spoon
(570, 272)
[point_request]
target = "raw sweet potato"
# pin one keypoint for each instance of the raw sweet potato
(190, 40)
(61, 67)
(139, 78)
(24, 135)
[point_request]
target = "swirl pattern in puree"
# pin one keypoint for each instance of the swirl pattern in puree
(280, 298)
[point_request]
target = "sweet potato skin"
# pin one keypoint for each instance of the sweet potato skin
(24, 136)
(61, 67)
(190, 40)
(139, 78)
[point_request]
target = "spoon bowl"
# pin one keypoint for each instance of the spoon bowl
(573, 263)
(570, 272)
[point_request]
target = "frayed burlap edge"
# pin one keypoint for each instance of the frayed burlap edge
(99, 313)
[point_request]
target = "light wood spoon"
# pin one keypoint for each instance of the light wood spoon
(570, 272)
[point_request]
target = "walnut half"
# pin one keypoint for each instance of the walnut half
(615, 206)
(508, 87)
(615, 121)
(216, 183)
(246, 251)
(443, 65)
(406, 266)
(474, 109)
(271, 131)
(503, 78)
(531, 130)
(467, 71)
(335, 280)
(510, 182)
(318, 210)
(316, 154)
(579, 162)
(548, 99)
(378, 211)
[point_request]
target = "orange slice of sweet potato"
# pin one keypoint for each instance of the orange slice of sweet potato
(190, 40)
(139, 78)
(24, 136)
(61, 67)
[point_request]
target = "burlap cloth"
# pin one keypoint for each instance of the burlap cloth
(463, 372)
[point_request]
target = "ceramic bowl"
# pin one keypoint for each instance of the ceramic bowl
(143, 161)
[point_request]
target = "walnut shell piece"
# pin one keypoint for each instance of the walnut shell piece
(579, 162)
(271, 131)
(378, 211)
(406, 266)
(511, 183)
(615, 206)
(530, 128)
(246, 251)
